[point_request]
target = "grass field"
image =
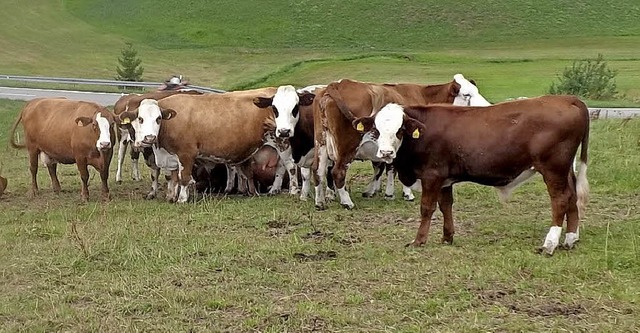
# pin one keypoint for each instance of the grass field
(274, 264)
(512, 48)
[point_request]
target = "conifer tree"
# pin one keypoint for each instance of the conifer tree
(129, 69)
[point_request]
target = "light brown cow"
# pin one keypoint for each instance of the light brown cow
(341, 102)
(500, 145)
(65, 131)
(223, 128)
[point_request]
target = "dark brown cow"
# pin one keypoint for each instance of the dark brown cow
(341, 102)
(64, 131)
(500, 145)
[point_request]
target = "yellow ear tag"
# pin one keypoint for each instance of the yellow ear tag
(415, 134)
(360, 127)
(126, 121)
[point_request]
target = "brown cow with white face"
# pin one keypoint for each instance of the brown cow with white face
(498, 146)
(65, 131)
(341, 102)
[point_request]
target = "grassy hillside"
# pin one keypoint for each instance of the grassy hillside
(512, 48)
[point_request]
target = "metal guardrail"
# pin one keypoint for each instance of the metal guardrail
(98, 82)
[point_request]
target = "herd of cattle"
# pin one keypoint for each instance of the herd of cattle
(432, 136)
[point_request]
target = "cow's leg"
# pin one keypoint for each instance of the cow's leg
(122, 150)
(407, 194)
(155, 183)
(445, 201)
(246, 173)
(320, 164)
(231, 178)
(135, 169)
(276, 187)
(573, 217)
(287, 159)
(187, 160)
(428, 202)
(374, 184)
(339, 173)
(306, 183)
(560, 194)
(173, 186)
(84, 177)
(389, 190)
(53, 174)
(33, 168)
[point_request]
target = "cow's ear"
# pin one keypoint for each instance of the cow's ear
(168, 114)
(126, 117)
(83, 121)
(263, 102)
(306, 98)
(363, 124)
(413, 128)
(454, 89)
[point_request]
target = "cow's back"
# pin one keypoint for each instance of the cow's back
(228, 126)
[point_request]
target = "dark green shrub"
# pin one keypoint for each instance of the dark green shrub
(587, 78)
(129, 69)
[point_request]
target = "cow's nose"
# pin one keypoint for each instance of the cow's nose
(149, 138)
(385, 153)
(284, 133)
(105, 145)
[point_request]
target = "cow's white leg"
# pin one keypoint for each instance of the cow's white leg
(276, 187)
(122, 150)
(374, 184)
(135, 169)
(345, 198)
(390, 188)
(287, 159)
(570, 239)
(231, 178)
(330, 194)
(306, 183)
(407, 194)
(155, 181)
(323, 160)
(552, 240)
(184, 191)
(504, 192)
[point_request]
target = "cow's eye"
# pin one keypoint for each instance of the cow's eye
(140, 120)
(275, 112)
(295, 111)
(158, 120)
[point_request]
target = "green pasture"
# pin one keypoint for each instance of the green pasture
(274, 264)
(512, 48)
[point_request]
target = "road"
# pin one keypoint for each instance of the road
(26, 94)
(107, 99)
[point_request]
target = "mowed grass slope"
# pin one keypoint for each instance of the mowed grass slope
(274, 264)
(512, 48)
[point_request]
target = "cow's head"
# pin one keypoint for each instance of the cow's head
(285, 105)
(146, 122)
(390, 125)
(468, 95)
(102, 125)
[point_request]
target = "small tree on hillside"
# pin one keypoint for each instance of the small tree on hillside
(129, 68)
(587, 78)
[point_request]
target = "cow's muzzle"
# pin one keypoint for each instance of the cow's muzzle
(104, 145)
(386, 155)
(284, 133)
(148, 140)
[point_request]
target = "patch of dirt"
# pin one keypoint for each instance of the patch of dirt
(317, 236)
(348, 240)
(549, 309)
(319, 256)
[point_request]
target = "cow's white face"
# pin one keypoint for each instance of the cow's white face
(147, 125)
(388, 122)
(468, 94)
(104, 138)
(285, 108)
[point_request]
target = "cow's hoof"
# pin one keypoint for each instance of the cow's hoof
(389, 197)
(303, 198)
(408, 197)
(448, 241)
(151, 196)
(273, 192)
(545, 251)
(368, 194)
(119, 181)
(414, 244)
(321, 206)
(294, 192)
(348, 206)
(568, 246)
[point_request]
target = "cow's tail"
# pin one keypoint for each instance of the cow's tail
(12, 133)
(333, 92)
(582, 183)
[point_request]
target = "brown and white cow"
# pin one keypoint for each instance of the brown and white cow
(131, 102)
(223, 128)
(65, 131)
(341, 102)
(496, 146)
